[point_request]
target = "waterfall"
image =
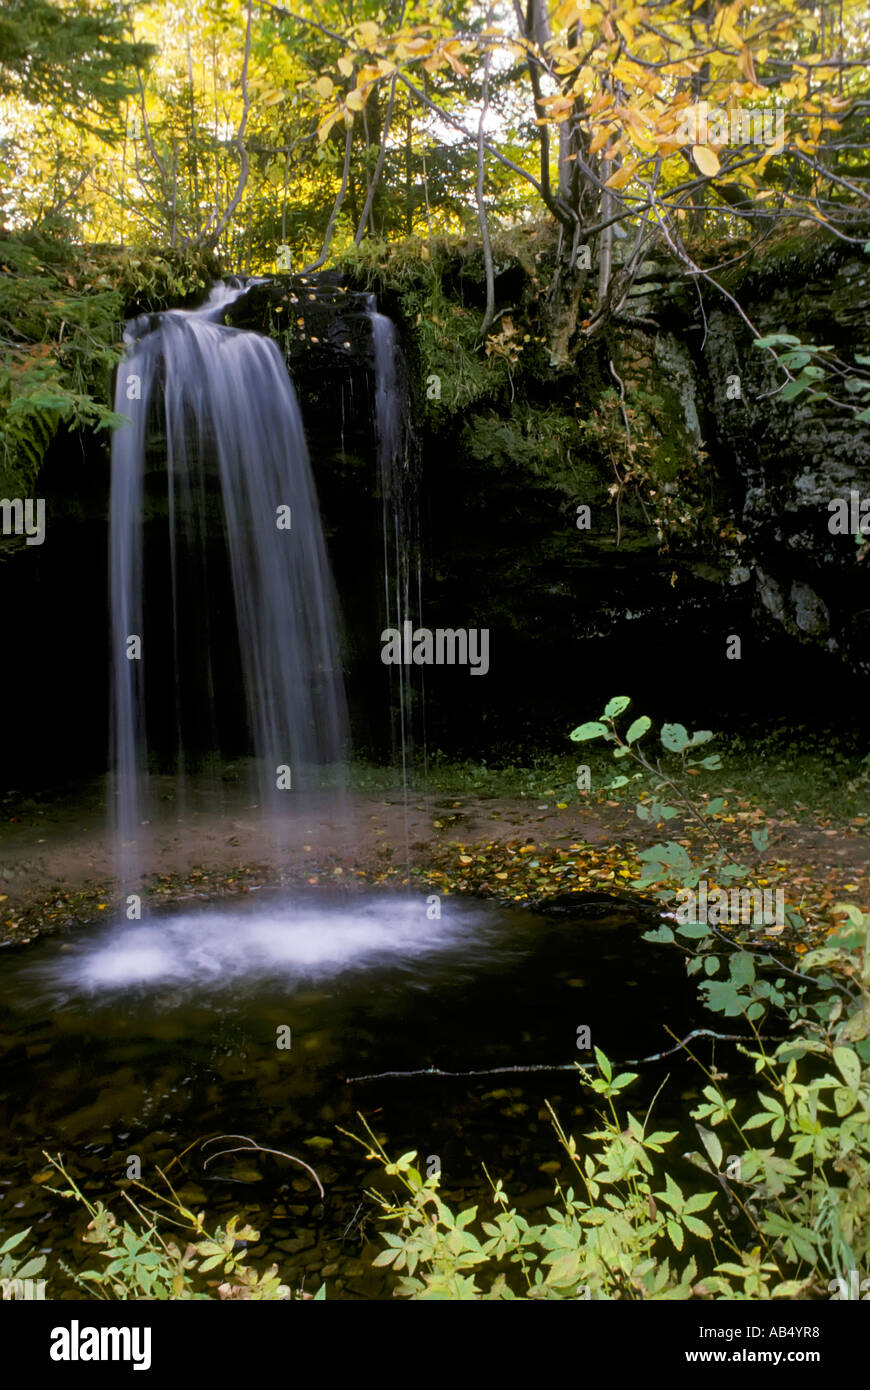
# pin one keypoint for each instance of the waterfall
(212, 409)
(401, 530)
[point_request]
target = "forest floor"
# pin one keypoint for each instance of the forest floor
(57, 865)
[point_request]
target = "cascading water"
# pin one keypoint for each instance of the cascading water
(214, 409)
(402, 558)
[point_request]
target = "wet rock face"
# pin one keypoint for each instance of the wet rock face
(321, 324)
(774, 465)
(499, 516)
(785, 461)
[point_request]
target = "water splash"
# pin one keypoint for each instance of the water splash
(289, 942)
(213, 412)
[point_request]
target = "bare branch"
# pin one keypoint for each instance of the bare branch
(210, 233)
(379, 167)
(327, 239)
(481, 205)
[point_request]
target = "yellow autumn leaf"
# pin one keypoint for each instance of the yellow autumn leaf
(559, 107)
(345, 67)
(367, 33)
(776, 148)
(324, 87)
(566, 15)
(746, 65)
(356, 99)
(326, 125)
(623, 175)
(706, 159)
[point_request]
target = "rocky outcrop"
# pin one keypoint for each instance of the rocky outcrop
(707, 507)
(778, 462)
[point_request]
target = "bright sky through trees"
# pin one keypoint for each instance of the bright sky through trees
(243, 126)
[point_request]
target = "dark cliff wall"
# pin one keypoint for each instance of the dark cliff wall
(707, 511)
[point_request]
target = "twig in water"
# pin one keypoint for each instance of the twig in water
(557, 1066)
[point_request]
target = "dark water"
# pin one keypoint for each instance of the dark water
(146, 1039)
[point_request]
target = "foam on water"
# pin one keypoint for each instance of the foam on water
(286, 942)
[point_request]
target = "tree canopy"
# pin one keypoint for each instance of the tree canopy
(277, 135)
(71, 57)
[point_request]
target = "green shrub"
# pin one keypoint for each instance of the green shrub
(62, 309)
(144, 1263)
(14, 1268)
(797, 1168)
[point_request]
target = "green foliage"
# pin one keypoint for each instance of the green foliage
(71, 56)
(437, 288)
(61, 317)
(15, 1268)
(796, 1174)
(813, 371)
(667, 863)
(145, 1263)
(608, 1238)
(655, 466)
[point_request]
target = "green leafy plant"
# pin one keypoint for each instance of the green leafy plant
(813, 369)
(144, 1262)
(61, 315)
(15, 1268)
(788, 1215)
(611, 1237)
(667, 797)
